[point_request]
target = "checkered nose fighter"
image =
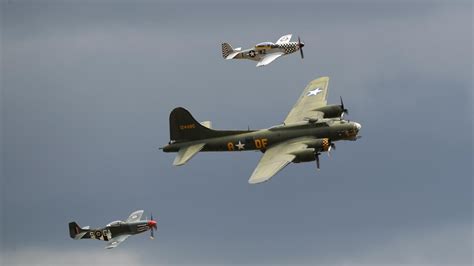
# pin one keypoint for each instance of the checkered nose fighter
(117, 231)
(311, 128)
(265, 52)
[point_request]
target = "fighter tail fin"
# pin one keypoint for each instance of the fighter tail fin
(226, 50)
(74, 229)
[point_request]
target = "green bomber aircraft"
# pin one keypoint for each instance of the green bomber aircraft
(310, 128)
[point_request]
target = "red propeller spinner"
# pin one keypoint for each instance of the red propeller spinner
(152, 225)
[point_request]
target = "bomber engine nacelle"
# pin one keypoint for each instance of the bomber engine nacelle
(333, 110)
(313, 150)
(307, 155)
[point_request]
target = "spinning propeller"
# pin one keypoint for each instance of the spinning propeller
(316, 155)
(152, 225)
(344, 110)
(300, 45)
(332, 146)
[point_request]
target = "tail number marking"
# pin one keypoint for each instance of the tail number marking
(188, 126)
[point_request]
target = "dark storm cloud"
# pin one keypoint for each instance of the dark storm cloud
(86, 93)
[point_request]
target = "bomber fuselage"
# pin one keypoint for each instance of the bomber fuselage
(331, 129)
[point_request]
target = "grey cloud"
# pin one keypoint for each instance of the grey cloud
(87, 90)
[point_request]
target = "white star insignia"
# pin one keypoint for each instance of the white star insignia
(314, 92)
(240, 145)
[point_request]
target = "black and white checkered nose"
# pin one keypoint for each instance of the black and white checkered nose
(289, 48)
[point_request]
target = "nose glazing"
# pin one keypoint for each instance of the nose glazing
(357, 125)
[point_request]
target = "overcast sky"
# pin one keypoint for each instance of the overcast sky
(86, 93)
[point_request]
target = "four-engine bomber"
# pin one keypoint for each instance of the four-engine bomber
(310, 128)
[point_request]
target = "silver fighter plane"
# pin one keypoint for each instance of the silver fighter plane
(265, 52)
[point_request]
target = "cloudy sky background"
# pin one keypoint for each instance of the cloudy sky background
(86, 93)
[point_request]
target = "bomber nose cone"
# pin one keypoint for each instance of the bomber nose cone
(357, 125)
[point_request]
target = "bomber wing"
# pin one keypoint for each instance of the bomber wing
(135, 216)
(276, 158)
(269, 58)
(284, 39)
(114, 242)
(314, 96)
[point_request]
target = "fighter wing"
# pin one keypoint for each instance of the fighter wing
(267, 59)
(313, 97)
(114, 242)
(135, 216)
(276, 158)
(284, 39)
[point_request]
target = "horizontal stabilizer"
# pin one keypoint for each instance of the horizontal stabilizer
(232, 55)
(207, 124)
(186, 153)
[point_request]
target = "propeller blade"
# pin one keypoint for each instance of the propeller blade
(300, 45)
(152, 227)
(317, 160)
(331, 147)
(344, 110)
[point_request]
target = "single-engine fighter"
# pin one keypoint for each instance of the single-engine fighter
(310, 128)
(115, 232)
(264, 52)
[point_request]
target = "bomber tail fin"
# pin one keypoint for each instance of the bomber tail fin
(183, 127)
